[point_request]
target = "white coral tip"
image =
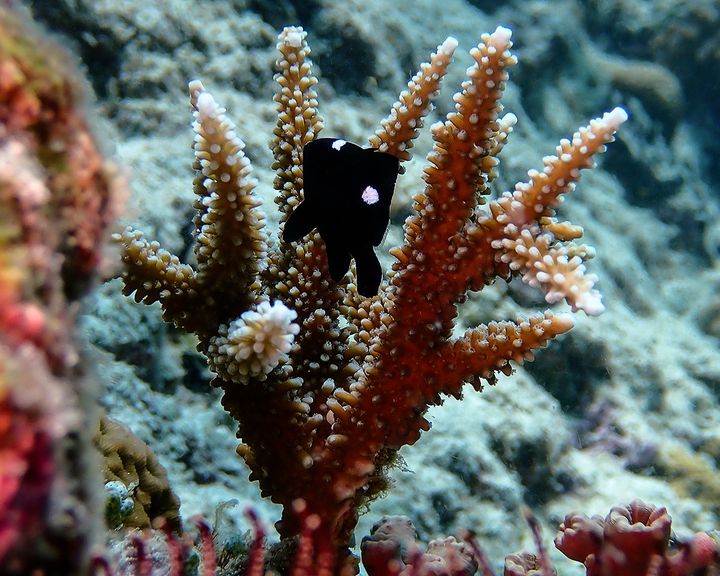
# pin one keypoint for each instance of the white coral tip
(591, 303)
(257, 342)
(195, 86)
(501, 37)
(449, 46)
(509, 119)
(294, 38)
(615, 117)
(206, 105)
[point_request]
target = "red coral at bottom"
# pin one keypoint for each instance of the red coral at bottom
(26, 471)
(634, 540)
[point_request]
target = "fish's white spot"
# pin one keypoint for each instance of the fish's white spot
(338, 144)
(370, 195)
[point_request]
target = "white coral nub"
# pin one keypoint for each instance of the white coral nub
(501, 37)
(448, 47)
(614, 118)
(254, 344)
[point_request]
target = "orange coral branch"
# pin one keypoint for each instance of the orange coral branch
(402, 126)
(326, 386)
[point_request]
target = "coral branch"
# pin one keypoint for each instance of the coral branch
(484, 350)
(327, 386)
(403, 125)
(230, 235)
(298, 119)
(151, 272)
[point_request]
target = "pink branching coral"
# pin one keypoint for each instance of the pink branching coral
(326, 385)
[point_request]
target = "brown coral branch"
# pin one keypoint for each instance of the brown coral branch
(152, 273)
(485, 350)
(397, 131)
(326, 386)
(459, 162)
(230, 225)
(298, 119)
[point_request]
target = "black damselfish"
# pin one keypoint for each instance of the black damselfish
(347, 190)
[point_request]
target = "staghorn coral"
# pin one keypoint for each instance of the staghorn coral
(346, 383)
(57, 196)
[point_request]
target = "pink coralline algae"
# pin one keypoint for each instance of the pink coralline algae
(26, 465)
(57, 197)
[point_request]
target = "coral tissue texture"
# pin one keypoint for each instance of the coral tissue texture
(128, 460)
(57, 195)
(325, 385)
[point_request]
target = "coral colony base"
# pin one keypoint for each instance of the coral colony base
(325, 385)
